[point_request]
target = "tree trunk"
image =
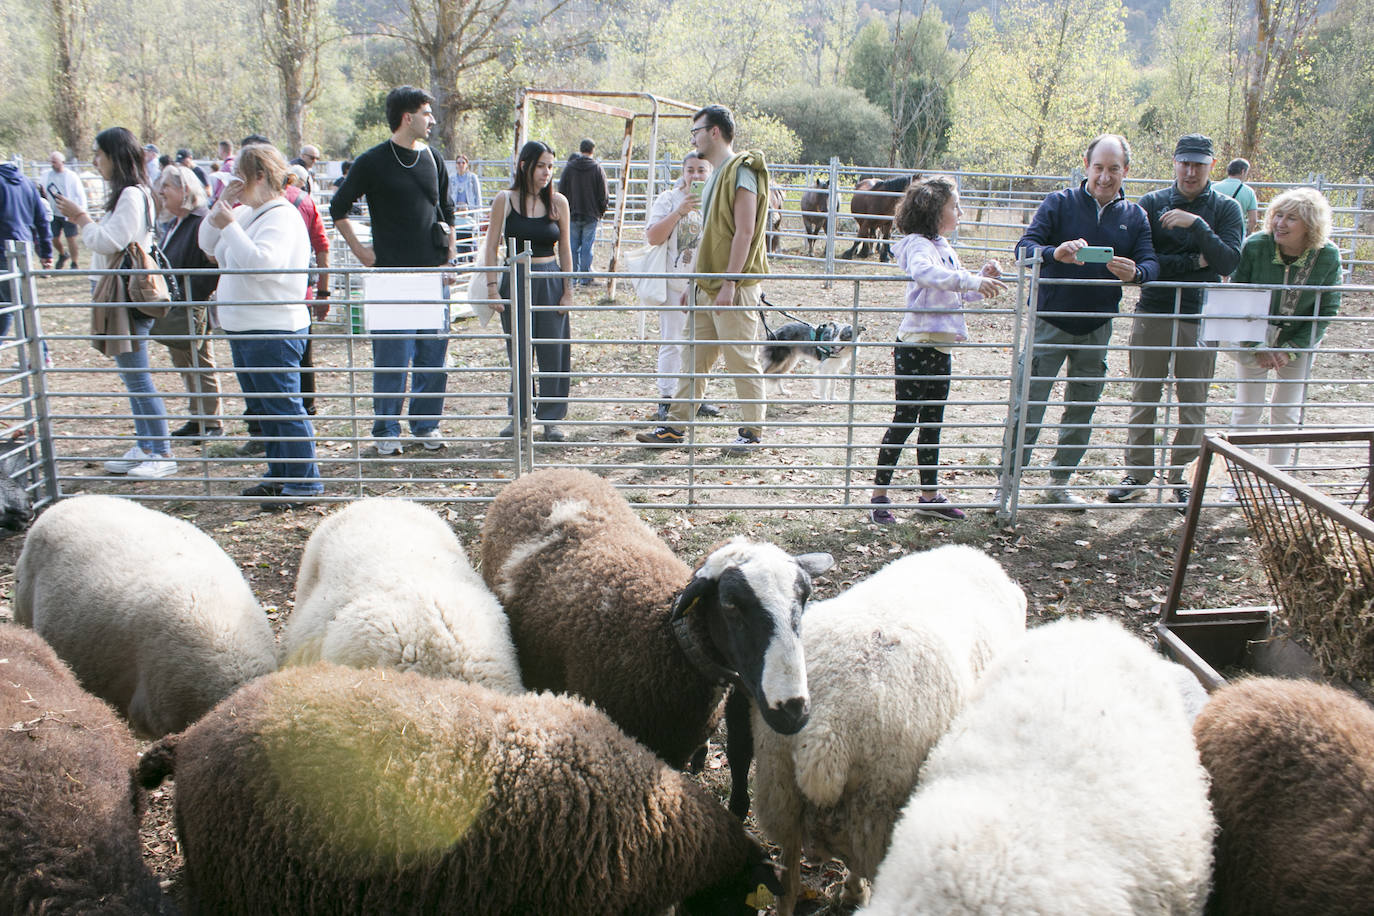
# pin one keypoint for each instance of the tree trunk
(71, 119)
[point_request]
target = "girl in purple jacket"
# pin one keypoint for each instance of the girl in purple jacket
(932, 325)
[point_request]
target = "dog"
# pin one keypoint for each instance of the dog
(829, 346)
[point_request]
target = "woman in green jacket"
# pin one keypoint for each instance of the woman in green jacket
(1293, 249)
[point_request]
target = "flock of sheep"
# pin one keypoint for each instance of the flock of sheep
(429, 739)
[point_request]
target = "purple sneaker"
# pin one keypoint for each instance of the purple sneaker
(939, 507)
(880, 515)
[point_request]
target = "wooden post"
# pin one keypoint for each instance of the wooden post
(625, 149)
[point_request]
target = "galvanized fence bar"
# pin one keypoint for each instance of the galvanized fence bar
(815, 454)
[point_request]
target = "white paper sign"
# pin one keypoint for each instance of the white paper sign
(400, 302)
(1235, 313)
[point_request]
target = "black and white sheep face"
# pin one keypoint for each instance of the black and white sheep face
(751, 597)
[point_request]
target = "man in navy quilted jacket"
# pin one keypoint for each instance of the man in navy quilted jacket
(1073, 323)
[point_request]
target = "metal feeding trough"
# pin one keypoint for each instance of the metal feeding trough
(1316, 552)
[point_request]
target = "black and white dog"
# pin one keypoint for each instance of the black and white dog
(828, 346)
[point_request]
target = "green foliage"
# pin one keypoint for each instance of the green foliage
(756, 130)
(908, 77)
(1047, 78)
(832, 121)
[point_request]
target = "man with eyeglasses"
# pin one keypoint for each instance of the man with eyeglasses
(307, 159)
(1197, 234)
(732, 242)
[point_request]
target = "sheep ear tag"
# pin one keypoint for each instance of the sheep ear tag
(761, 899)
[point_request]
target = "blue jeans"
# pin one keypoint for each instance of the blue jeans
(150, 417)
(583, 237)
(269, 366)
(423, 349)
(1086, 355)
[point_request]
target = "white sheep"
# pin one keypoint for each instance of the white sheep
(385, 583)
(1069, 784)
(889, 662)
(151, 615)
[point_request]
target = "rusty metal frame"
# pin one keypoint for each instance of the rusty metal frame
(1226, 631)
(585, 100)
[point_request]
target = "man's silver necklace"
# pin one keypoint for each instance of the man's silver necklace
(418, 154)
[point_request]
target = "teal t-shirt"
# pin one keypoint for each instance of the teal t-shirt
(747, 180)
(1238, 191)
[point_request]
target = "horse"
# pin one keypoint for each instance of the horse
(815, 204)
(776, 199)
(874, 200)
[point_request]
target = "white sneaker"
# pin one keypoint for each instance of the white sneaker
(154, 467)
(389, 447)
(132, 459)
(432, 440)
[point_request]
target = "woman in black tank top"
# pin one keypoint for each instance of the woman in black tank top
(536, 216)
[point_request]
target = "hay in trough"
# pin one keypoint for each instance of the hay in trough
(1323, 579)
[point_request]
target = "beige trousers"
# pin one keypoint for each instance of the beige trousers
(706, 328)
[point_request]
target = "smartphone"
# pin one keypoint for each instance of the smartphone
(235, 182)
(698, 187)
(1094, 254)
(53, 192)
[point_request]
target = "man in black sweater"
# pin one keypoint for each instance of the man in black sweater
(406, 186)
(583, 183)
(1197, 235)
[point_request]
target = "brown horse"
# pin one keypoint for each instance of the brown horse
(873, 204)
(815, 204)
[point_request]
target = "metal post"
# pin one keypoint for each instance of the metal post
(1019, 390)
(21, 256)
(832, 210)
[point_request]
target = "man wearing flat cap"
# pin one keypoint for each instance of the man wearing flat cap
(1197, 235)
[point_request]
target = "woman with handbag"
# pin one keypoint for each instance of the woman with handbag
(265, 317)
(1293, 249)
(121, 330)
(535, 215)
(184, 330)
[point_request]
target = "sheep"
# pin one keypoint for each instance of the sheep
(386, 583)
(389, 792)
(889, 663)
(1069, 784)
(69, 813)
(151, 615)
(1292, 765)
(599, 606)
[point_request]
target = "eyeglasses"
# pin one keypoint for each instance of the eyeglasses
(693, 131)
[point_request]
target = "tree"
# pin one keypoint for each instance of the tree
(1280, 28)
(70, 77)
(1047, 77)
(293, 33)
(908, 71)
(832, 121)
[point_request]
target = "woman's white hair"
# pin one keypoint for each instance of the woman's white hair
(190, 185)
(1308, 205)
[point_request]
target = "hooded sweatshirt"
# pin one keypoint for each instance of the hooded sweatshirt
(583, 183)
(21, 212)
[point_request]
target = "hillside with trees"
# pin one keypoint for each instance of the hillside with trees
(1004, 85)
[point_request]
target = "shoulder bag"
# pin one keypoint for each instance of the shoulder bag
(477, 282)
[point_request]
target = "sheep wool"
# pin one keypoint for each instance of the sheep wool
(584, 581)
(1069, 784)
(69, 814)
(383, 792)
(889, 663)
(149, 612)
(1292, 766)
(385, 583)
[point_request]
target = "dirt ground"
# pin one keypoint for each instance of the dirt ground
(1094, 563)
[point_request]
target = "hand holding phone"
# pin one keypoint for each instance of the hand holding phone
(698, 187)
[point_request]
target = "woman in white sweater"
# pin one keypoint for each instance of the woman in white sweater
(265, 316)
(122, 331)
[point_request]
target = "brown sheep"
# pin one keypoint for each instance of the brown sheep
(69, 811)
(326, 790)
(1292, 766)
(599, 606)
